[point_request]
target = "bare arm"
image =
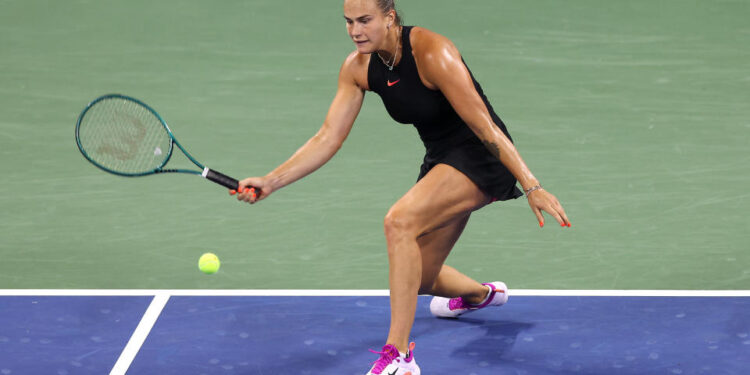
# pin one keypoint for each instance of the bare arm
(319, 149)
(441, 67)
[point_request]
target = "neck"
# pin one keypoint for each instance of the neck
(392, 45)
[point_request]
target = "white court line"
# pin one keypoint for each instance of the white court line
(358, 292)
(140, 334)
(629, 293)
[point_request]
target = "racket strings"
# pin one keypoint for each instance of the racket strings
(123, 136)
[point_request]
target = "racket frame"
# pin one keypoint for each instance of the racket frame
(204, 171)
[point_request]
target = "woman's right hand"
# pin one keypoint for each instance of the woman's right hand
(253, 189)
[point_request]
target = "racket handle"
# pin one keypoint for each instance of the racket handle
(220, 178)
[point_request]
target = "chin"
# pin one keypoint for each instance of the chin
(364, 49)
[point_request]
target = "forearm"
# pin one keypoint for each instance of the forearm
(503, 149)
(317, 151)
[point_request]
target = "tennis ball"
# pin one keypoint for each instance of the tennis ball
(209, 263)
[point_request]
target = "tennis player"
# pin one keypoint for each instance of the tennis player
(470, 161)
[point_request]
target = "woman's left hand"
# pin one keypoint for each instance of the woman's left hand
(541, 200)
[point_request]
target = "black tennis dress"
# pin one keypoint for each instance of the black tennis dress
(446, 137)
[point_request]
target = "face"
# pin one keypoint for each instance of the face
(366, 24)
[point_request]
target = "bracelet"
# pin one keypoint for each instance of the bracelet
(533, 188)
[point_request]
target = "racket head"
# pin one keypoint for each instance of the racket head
(124, 136)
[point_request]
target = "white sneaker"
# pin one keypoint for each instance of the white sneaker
(453, 307)
(391, 362)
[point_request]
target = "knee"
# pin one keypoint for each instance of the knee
(398, 225)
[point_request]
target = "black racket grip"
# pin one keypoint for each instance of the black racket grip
(220, 178)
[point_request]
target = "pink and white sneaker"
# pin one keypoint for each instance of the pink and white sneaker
(391, 362)
(453, 307)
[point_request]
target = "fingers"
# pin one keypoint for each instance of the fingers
(566, 222)
(251, 190)
(559, 214)
(539, 216)
(248, 194)
(557, 217)
(548, 203)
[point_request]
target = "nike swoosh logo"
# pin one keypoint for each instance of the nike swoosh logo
(394, 372)
(391, 84)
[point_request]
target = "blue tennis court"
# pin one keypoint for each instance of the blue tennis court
(251, 334)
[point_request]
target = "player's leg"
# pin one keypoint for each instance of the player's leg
(443, 196)
(439, 279)
(421, 229)
(451, 283)
(455, 293)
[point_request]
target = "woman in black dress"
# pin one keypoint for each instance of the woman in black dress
(470, 162)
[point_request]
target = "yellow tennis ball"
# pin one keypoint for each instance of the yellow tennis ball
(209, 263)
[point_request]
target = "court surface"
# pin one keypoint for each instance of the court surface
(254, 332)
(633, 113)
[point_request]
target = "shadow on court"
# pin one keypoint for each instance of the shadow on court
(499, 338)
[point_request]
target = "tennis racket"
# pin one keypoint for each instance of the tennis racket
(124, 136)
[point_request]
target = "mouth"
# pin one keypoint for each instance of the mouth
(360, 42)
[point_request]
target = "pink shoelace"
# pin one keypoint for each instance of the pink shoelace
(387, 356)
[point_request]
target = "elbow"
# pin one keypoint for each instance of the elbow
(334, 147)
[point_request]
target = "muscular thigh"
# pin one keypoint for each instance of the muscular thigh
(441, 197)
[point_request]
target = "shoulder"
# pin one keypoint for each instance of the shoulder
(429, 45)
(436, 57)
(354, 69)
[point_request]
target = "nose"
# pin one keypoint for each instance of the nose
(355, 29)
